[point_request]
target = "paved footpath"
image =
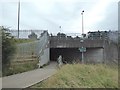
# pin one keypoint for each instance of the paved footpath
(29, 78)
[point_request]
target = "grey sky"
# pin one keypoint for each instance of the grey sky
(50, 14)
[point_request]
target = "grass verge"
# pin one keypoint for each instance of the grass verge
(19, 41)
(82, 76)
(21, 67)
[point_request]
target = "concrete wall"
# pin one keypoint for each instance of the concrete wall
(94, 55)
(44, 52)
(56, 42)
(111, 53)
(44, 58)
(104, 51)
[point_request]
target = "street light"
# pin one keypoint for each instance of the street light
(82, 23)
(82, 49)
(18, 17)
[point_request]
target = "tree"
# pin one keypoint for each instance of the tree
(32, 36)
(61, 35)
(8, 48)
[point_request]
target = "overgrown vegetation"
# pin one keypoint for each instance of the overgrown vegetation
(19, 41)
(8, 48)
(21, 67)
(8, 53)
(82, 76)
(32, 36)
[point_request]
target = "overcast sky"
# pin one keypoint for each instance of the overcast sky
(50, 14)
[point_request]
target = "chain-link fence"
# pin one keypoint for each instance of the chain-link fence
(24, 34)
(31, 47)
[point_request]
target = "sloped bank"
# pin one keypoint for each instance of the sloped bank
(82, 76)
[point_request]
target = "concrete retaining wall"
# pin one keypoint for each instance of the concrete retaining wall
(44, 58)
(94, 55)
(111, 53)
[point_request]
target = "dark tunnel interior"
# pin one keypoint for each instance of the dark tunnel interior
(68, 54)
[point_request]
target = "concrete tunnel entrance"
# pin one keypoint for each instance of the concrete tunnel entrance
(92, 55)
(68, 54)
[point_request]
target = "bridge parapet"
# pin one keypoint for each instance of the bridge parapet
(75, 42)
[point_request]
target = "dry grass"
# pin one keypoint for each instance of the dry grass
(82, 76)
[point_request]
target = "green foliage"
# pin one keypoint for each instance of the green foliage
(8, 48)
(119, 40)
(21, 67)
(82, 76)
(32, 36)
(19, 41)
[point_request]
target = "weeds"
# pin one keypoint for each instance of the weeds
(22, 67)
(82, 76)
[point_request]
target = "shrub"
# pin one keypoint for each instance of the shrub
(8, 48)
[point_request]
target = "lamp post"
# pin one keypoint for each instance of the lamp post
(18, 16)
(82, 49)
(82, 23)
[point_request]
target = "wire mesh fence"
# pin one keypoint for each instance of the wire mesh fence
(31, 48)
(23, 34)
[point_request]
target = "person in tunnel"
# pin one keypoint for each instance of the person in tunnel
(59, 61)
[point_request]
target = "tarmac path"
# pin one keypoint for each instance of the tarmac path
(29, 78)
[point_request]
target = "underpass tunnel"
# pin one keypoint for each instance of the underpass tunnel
(68, 54)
